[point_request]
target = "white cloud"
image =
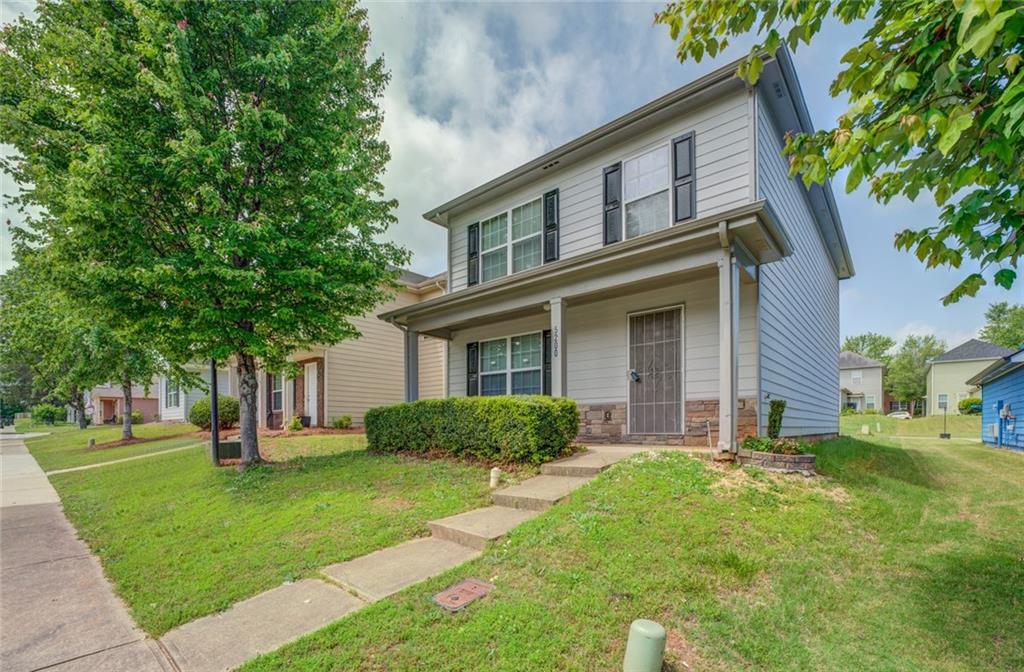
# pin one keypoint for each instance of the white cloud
(951, 334)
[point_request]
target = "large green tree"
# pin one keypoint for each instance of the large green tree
(907, 376)
(1004, 325)
(936, 92)
(210, 171)
(871, 345)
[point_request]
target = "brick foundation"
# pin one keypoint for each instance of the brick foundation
(606, 423)
(803, 464)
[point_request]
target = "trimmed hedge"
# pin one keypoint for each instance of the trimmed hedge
(525, 429)
(227, 412)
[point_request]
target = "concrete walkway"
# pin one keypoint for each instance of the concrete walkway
(96, 465)
(57, 611)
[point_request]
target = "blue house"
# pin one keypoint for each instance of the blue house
(1002, 401)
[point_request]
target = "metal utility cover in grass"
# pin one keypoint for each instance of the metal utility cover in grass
(462, 594)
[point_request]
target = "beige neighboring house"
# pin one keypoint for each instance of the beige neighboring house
(860, 382)
(107, 403)
(663, 270)
(333, 381)
(949, 372)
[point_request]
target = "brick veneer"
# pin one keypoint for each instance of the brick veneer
(606, 423)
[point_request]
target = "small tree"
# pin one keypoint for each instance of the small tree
(210, 171)
(1004, 325)
(907, 379)
(873, 346)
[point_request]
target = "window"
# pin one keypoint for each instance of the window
(277, 393)
(645, 188)
(857, 376)
(943, 401)
(512, 365)
(512, 241)
(172, 395)
(493, 246)
(527, 227)
(869, 401)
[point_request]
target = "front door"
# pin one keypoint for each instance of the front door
(311, 397)
(656, 372)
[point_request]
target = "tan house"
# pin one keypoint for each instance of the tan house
(663, 270)
(949, 372)
(107, 403)
(333, 381)
(861, 382)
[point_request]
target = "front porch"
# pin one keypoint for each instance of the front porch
(649, 336)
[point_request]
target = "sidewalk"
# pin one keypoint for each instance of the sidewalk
(57, 610)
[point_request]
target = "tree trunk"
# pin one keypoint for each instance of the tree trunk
(248, 410)
(126, 421)
(78, 403)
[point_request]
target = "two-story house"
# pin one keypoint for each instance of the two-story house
(861, 382)
(949, 374)
(664, 270)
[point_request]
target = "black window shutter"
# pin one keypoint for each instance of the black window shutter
(547, 362)
(551, 226)
(473, 262)
(472, 369)
(684, 191)
(613, 204)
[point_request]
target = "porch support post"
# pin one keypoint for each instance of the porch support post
(558, 354)
(412, 365)
(728, 349)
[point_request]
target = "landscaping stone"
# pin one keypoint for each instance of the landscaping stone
(258, 625)
(478, 527)
(803, 464)
(385, 572)
(538, 493)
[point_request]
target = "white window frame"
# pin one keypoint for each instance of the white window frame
(857, 376)
(508, 362)
(279, 378)
(869, 401)
(168, 386)
(509, 242)
(943, 401)
(667, 147)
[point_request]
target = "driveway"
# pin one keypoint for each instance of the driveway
(57, 611)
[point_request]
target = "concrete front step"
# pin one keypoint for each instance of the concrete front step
(382, 573)
(590, 462)
(476, 528)
(538, 493)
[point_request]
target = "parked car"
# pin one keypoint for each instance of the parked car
(900, 415)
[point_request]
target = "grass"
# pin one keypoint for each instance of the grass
(23, 425)
(960, 426)
(180, 539)
(70, 448)
(281, 448)
(906, 556)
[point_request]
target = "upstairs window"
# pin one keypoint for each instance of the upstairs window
(527, 227)
(645, 187)
(494, 247)
(857, 376)
(512, 241)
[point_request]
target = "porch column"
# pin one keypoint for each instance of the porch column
(728, 349)
(261, 397)
(412, 365)
(558, 355)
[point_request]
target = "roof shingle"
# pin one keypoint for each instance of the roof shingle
(855, 360)
(973, 349)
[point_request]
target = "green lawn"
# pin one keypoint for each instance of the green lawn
(28, 425)
(281, 448)
(960, 426)
(70, 448)
(181, 539)
(909, 556)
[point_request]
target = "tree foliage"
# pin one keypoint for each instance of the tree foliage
(907, 375)
(871, 345)
(936, 92)
(1004, 325)
(210, 172)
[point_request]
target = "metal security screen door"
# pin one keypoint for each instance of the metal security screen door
(656, 372)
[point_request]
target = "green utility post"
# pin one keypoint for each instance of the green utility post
(645, 647)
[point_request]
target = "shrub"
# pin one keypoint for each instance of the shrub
(227, 412)
(779, 446)
(137, 418)
(870, 411)
(295, 424)
(47, 413)
(846, 410)
(526, 429)
(970, 406)
(776, 408)
(344, 422)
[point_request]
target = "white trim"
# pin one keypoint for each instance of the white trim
(682, 367)
(649, 149)
(314, 418)
(509, 240)
(508, 362)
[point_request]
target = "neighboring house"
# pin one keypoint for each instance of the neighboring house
(1002, 401)
(649, 269)
(176, 400)
(948, 374)
(860, 382)
(107, 403)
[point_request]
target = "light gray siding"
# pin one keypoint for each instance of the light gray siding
(190, 396)
(871, 384)
(723, 134)
(595, 342)
(799, 302)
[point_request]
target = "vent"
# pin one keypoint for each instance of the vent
(551, 165)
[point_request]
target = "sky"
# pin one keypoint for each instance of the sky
(479, 88)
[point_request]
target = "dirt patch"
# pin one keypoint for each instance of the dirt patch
(137, 440)
(680, 654)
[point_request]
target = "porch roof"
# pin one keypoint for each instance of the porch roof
(685, 249)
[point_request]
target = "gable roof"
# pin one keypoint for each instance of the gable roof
(973, 349)
(778, 76)
(1012, 362)
(854, 360)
